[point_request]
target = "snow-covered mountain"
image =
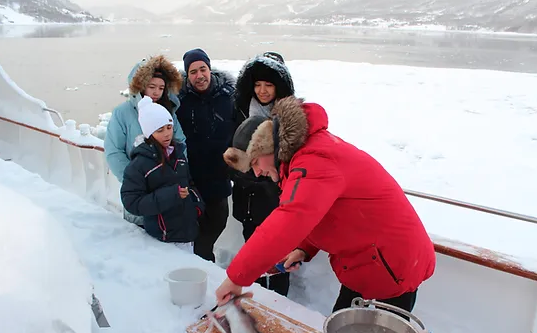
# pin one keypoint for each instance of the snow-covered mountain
(43, 11)
(123, 13)
(494, 15)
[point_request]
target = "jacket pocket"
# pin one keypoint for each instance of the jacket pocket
(365, 272)
(183, 225)
(356, 260)
(388, 268)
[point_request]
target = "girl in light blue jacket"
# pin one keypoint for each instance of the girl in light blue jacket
(157, 78)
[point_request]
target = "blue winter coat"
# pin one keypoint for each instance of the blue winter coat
(123, 126)
(207, 121)
(150, 189)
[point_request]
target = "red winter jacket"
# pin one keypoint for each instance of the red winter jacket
(338, 199)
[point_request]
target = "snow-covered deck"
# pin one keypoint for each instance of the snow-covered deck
(462, 296)
(126, 266)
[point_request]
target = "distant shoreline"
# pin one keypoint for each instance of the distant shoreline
(423, 29)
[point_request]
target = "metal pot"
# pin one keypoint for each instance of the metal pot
(360, 318)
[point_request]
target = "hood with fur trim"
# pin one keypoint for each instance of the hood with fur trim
(143, 71)
(295, 122)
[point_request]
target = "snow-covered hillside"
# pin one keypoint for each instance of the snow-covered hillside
(123, 14)
(492, 15)
(43, 11)
(517, 16)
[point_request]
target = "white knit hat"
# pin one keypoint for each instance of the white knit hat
(152, 116)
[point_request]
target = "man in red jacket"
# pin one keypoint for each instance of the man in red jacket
(335, 198)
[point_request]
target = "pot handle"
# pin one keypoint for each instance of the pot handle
(359, 302)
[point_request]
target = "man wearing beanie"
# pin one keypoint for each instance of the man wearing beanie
(205, 116)
(335, 198)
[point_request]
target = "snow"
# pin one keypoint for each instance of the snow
(18, 90)
(14, 100)
(9, 15)
(214, 11)
(81, 136)
(466, 134)
(127, 267)
(43, 286)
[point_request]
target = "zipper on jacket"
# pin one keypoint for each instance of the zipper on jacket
(248, 206)
(162, 226)
(388, 268)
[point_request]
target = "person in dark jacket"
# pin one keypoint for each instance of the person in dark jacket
(205, 115)
(262, 80)
(157, 183)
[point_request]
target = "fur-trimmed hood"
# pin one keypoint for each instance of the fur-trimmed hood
(295, 122)
(221, 82)
(143, 71)
(245, 81)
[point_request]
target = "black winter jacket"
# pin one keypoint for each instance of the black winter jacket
(254, 198)
(151, 189)
(207, 121)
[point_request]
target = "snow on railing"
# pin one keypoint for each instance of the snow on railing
(17, 105)
(63, 155)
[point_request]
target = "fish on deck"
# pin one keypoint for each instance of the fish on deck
(231, 317)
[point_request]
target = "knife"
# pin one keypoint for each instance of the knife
(212, 310)
(98, 312)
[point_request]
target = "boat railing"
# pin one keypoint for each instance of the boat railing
(467, 205)
(413, 193)
(57, 113)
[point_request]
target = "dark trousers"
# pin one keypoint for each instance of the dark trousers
(406, 301)
(278, 283)
(212, 224)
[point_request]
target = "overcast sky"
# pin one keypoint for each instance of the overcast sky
(155, 6)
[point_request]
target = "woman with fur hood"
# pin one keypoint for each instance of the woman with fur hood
(159, 79)
(335, 198)
(261, 82)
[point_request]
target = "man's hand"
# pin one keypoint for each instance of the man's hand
(226, 291)
(296, 255)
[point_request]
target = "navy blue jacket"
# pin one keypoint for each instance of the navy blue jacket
(151, 189)
(208, 124)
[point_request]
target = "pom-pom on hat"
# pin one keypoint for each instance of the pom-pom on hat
(152, 116)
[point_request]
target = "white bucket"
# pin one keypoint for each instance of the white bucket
(188, 286)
